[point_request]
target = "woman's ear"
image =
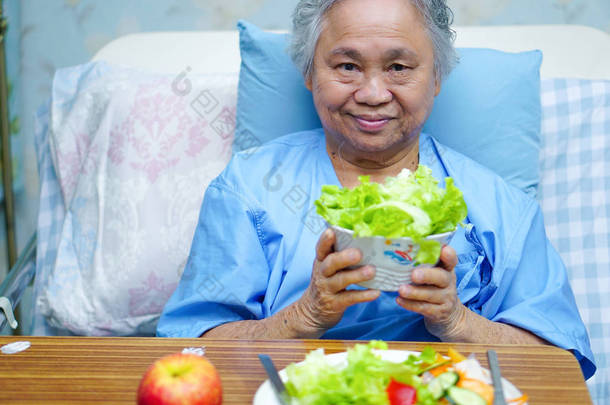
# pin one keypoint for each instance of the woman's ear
(308, 83)
(437, 84)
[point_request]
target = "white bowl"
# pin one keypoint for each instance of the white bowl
(392, 258)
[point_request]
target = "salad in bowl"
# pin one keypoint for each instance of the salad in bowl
(397, 225)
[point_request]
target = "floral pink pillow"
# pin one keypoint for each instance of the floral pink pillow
(134, 153)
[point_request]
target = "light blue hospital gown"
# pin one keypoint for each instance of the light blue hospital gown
(254, 247)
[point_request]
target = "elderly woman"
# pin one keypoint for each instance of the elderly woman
(374, 69)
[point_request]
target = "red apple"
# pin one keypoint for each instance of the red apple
(186, 379)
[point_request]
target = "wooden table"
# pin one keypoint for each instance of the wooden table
(66, 370)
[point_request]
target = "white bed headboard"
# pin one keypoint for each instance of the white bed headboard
(568, 50)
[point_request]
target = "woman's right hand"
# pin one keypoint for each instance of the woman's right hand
(326, 298)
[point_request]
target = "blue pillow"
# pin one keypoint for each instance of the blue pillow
(272, 99)
(488, 107)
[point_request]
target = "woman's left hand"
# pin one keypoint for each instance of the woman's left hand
(434, 295)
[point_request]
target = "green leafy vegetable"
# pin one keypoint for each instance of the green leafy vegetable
(362, 381)
(408, 205)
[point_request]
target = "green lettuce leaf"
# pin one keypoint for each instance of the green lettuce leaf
(408, 205)
(362, 381)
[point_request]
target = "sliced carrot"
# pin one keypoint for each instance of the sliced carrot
(436, 371)
(486, 391)
(455, 356)
(462, 375)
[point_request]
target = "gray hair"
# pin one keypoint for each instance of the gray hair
(307, 24)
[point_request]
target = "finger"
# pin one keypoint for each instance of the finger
(340, 260)
(434, 276)
(421, 307)
(448, 259)
(342, 279)
(430, 311)
(325, 244)
(351, 297)
(432, 295)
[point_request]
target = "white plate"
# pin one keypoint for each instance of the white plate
(266, 396)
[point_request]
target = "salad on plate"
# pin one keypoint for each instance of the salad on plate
(371, 374)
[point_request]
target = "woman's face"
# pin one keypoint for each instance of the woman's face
(373, 78)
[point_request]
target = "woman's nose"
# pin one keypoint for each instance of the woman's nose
(373, 91)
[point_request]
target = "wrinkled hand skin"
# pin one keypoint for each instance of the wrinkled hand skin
(433, 294)
(326, 298)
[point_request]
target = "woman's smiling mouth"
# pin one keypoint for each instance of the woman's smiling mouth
(371, 123)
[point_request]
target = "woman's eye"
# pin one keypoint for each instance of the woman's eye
(350, 67)
(396, 67)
